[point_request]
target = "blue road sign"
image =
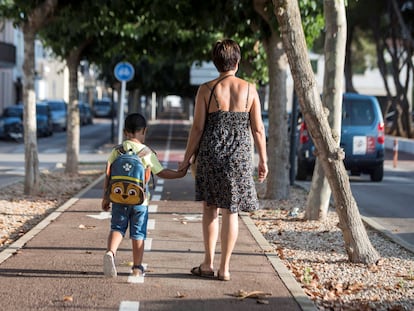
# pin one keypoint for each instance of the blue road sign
(124, 71)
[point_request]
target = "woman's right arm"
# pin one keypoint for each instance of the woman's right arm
(259, 136)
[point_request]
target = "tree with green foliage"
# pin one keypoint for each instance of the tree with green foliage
(30, 16)
(335, 41)
(357, 244)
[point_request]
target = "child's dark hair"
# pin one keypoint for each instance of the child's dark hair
(135, 122)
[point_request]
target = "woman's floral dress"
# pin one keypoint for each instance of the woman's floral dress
(224, 175)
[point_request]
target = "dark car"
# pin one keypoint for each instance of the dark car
(11, 124)
(103, 108)
(85, 113)
(362, 139)
(44, 120)
(43, 117)
(59, 113)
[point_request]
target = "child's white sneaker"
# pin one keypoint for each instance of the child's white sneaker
(109, 268)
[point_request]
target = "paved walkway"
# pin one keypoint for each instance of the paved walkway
(58, 265)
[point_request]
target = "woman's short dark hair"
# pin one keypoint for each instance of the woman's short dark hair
(135, 122)
(226, 55)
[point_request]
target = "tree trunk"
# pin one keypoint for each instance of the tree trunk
(349, 84)
(335, 44)
(31, 160)
(277, 187)
(73, 127)
(357, 244)
(35, 20)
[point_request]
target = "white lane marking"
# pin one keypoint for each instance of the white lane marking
(148, 244)
(156, 197)
(160, 181)
(194, 217)
(158, 188)
(129, 306)
(151, 224)
(152, 208)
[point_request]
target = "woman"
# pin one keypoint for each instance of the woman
(226, 109)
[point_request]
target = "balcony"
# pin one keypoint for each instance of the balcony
(7, 55)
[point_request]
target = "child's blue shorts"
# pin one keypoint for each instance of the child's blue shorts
(136, 216)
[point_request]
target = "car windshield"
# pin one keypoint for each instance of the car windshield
(13, 112)
(357, 112)
(102, 103)
(40, 109)
(57, 105)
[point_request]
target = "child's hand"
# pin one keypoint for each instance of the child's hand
(105, 204)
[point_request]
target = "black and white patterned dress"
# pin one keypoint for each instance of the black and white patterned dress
(224, 175)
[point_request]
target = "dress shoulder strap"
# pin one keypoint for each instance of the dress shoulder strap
(212, 91)
(247, 98)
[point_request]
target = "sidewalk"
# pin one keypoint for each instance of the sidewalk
(58, 265)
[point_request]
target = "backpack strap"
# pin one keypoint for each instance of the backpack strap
(144, 152)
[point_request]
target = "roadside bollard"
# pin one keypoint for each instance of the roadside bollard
(395, 149)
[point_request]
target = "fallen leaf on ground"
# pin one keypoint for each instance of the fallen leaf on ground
(242, 294)
(68, 298)
(179, 295)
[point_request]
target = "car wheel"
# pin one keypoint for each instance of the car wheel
(377, 173)
(302, 172)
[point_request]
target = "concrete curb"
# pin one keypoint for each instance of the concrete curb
(376, 226)
(285, 275)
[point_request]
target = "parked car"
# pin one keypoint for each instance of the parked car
(85, 113)
(59, 113)
(43, 117)
(11, 124)
(362, 139)
(103, 108)
(44, 120)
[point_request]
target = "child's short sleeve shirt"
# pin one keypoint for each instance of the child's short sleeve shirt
(150, 159)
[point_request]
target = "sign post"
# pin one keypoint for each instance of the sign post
(124, 72)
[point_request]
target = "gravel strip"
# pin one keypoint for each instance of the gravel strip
(315, 254)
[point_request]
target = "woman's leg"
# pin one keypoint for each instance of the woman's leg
(210, 235)
(229, 234)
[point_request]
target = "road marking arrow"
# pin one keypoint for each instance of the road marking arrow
(101, 215)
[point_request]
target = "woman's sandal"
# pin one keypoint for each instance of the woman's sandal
(204, 274)
(223, 277)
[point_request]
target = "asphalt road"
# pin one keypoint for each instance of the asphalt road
(388, 205)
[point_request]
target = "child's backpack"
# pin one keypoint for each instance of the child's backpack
(128, 183)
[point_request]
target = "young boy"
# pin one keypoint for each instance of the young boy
(136, 216)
